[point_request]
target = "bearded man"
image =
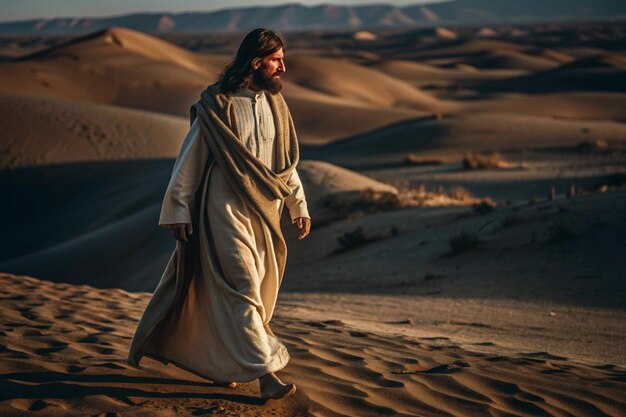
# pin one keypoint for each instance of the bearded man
(235, 172)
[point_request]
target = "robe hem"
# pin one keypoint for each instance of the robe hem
(163, 360)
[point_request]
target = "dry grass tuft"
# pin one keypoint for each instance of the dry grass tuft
(463, 242)
(416, 160)
(355, 204)
(368, 201)
(353, 239)
(559, 231)
(590, 146)
(484, 207)
(437, 196)
(490, 160)
(510, 220)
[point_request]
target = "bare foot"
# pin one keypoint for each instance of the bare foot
(273, 388)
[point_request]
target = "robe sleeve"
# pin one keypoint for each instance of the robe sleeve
(296, 201)
(185, 179)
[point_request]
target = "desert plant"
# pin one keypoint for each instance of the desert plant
(484, 207)
(559, 231)
(413, 159)
(463, 242)
(491, 160)
(352, 239)
(510, 220)
(598, 145)
(458, 192)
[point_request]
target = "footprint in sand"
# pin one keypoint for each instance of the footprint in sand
(92, 338)
(32, 405)
(73, 369)
(315, 324)
(109, 365)
(445, 368)
(56, 347)
(27, 314)
(334, 322)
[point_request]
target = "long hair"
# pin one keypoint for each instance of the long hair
(255, 46)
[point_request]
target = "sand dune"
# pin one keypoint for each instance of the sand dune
(488, 54)
(315, 115)
(354, 82)
(490, 297)
(511, 60)
(126, 68)
(605, 60)
(453, 136)
(420, 74)
(64, 348)
(116, 66)
(535, 252)
(560, 256)
(609, 81)
(324, 179)
(86, 219)
(604, 72)
(326, 183)
(560, 105)
(40, 131)
(97, 213)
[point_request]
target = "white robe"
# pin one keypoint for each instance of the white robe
(222, 331)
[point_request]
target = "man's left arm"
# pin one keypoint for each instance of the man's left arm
(296, 203)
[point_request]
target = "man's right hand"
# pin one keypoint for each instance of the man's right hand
(182, 231)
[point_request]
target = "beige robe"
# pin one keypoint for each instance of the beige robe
(221, 329)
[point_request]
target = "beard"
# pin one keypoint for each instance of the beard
(271, 84)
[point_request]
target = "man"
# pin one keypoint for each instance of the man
(235, 172)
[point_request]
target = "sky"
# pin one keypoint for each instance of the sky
(33, 9)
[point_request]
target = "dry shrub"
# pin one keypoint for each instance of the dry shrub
(456, 192)
(490, 160)
(438, 196)
(368, 201)
(353, 204)
(463, 242)
(484, 207)
(510, 220)
(560, 231)
(598, 145)
(413, 159)
(352, 239)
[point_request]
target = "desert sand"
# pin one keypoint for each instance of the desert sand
(63, 350)
(428, 287)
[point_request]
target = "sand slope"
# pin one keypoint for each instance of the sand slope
(453, 136)
(424, 75)
(40, 131)
(63, 350)
(96, 214)
(354, 82)
(315, 115)
(126, 68)
(115, 66)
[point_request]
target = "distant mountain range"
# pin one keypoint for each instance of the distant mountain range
(299, 17)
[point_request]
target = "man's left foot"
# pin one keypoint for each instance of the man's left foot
(282, 392)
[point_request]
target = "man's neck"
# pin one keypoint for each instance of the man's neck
(254, 87)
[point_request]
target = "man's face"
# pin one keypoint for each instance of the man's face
(268, 73)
